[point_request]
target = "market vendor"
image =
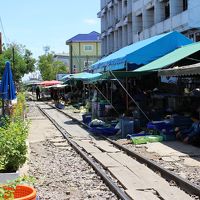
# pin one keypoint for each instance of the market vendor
(191, 135)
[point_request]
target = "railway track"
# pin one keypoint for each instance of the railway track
(113, 187)
(125, 192)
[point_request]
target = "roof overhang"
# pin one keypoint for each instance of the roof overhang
(188, 70)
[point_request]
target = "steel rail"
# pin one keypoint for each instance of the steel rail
(166, 174)
(113, 187)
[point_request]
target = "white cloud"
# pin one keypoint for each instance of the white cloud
(90, 21)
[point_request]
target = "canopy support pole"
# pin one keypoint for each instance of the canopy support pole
(111, 93)
(126, 90)
(130, 96)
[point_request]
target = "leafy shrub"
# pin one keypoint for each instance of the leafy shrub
(13, 135)
(19, 109)
(13, 148)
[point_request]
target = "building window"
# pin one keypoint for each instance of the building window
(191, 36)
(185, 5)
(167, 10)
(88, 47)
(125, 3)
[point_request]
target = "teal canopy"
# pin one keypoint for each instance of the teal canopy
(85, 76)
(142, 52)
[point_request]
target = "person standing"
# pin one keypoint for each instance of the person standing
(37, 93)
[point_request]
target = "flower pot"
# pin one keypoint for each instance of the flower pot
(23, 192)
(5, 177)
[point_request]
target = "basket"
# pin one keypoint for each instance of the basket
(24, 192)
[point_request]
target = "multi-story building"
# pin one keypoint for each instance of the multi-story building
(84, 50)
(124, 22)
(62, 57)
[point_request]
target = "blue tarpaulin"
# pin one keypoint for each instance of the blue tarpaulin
(7, 89)
(142, 52)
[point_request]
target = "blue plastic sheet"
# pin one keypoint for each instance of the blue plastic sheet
(142, 52)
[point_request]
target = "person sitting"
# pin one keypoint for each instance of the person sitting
(191, 135)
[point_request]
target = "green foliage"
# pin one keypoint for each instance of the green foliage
(7, 190)
(49, 68)
(13, 146)
(13, 135)
(20, 107)
(23, 61)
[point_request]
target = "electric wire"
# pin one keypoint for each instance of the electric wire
(2, 27)
(130, 96)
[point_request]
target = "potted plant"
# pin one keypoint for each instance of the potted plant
(18, 189)
(13, 148)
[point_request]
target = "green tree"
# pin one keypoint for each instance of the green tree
(49, 68)
(21, 60)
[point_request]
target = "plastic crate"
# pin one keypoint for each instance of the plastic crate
(60, 106)
(127, 126)
(107, 131)
(87, 118)
(161, 125)
(156, 125)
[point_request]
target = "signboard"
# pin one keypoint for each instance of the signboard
(169, 79)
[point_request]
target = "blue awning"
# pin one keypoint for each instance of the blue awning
(142, 52)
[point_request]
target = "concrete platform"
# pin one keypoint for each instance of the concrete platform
(89, 148)
(40, 130)
(142, 195)
(106, 160)
(173, 148)
(106, 146)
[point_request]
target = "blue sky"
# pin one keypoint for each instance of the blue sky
(37, 23)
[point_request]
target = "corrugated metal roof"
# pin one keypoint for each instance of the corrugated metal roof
(181, 71)
(90, 37)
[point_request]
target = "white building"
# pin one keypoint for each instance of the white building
(124, 22)
(62, 57)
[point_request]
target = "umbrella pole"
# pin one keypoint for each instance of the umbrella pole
(3, 110)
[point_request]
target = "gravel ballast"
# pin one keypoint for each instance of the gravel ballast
(62, 174)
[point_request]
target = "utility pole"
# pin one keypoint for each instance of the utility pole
(86, 64)
(46, 49)
(13, 57)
